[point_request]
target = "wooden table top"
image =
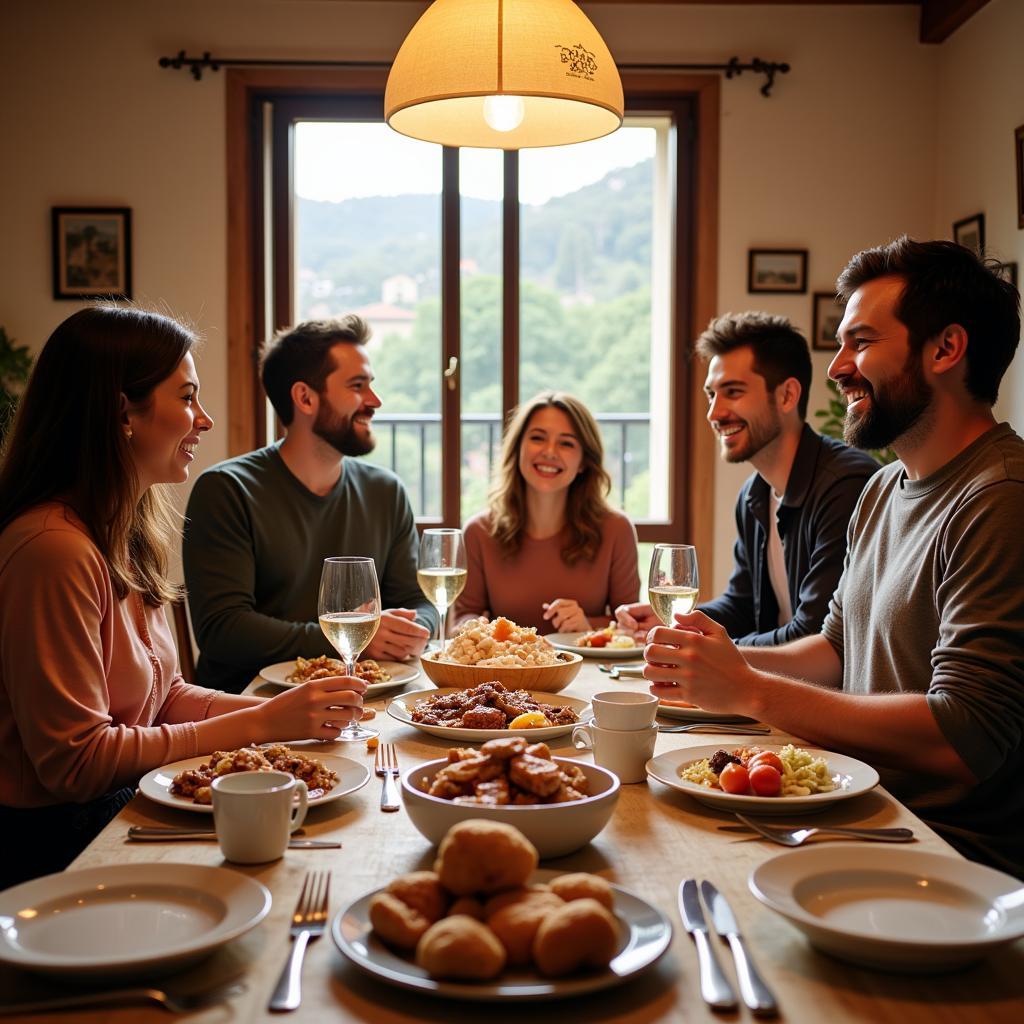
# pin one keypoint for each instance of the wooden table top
(656, 837)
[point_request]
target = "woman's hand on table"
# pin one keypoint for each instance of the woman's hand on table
(315, 710)
(566, 615)
(399, 636)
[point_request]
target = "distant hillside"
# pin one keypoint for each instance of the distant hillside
(595, 240)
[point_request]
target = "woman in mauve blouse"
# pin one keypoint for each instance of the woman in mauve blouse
(550, 551)
(90, 693)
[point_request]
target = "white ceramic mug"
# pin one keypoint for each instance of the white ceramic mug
(624, 709)
(624, 752)
(255, 813)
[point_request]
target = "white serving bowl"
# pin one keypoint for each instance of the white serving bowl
(555, 829)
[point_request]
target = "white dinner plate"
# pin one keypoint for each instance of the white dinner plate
(126, 918)
(852, 778)
(570, 642)
(401, 673)
(698, 714)
(645, 935)
(157, 783)
(401, 707)
(897, 910)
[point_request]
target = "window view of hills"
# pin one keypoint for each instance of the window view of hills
(584, 316)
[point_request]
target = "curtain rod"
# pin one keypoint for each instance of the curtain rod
(733, 68)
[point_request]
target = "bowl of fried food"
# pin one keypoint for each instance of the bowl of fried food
(557, 803)
(500, 651)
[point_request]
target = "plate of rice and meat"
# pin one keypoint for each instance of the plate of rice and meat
(186, 784)
(378, 675)
(489, 711)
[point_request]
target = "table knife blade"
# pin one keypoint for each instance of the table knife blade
(714, 986)
(756, 994)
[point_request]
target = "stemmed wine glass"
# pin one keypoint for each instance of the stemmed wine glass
(441, 571)
(673, 583)
(349, 609)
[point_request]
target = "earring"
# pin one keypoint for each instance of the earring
(129, 433)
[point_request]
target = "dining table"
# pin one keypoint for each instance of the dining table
(656, 837)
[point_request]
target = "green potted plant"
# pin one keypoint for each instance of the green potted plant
(15, 363)
(832, 423)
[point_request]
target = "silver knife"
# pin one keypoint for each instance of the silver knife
(156, 835)
(756, 994)
(714, 986)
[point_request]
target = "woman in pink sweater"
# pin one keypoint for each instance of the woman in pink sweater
(550, 551)
(90, 693)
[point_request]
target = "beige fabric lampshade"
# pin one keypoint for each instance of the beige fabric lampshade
(544, 51)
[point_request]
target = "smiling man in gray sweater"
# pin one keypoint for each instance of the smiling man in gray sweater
(919, 668)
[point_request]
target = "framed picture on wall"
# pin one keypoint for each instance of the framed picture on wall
(777, 270)
(1008, 272)
(1018, 139)
(828, 314)
(92, 252)
(970, 232)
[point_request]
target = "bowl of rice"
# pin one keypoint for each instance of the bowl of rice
(500, 651)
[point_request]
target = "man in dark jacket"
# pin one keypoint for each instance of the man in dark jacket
(792, 513)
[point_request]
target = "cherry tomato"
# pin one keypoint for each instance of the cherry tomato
(765, 780)
(767, 757)
(599, 640)
(734, 778)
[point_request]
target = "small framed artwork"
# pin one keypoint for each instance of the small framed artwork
(777, 270)
(828, 315)
(1008, 272)
(1018, 139)
(92, 252)
(970, 233)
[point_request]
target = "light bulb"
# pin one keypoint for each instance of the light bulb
(504, 113)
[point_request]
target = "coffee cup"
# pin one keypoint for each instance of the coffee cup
(255, 813)
(624, 709)
(624, 752)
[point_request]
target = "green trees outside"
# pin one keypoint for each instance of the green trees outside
(584, 315)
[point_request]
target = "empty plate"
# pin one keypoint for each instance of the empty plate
(126, 918)
(896, 910)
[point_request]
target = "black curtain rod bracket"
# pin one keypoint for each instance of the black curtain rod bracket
(733, 68)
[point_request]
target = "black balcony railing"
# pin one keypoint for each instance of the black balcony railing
(621, 431)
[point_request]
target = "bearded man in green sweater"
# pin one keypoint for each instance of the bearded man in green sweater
(919, 667)
(259, 526)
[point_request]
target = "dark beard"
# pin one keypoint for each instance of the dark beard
(895, 407)
(341, 434)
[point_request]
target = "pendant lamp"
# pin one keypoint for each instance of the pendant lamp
(504, 74)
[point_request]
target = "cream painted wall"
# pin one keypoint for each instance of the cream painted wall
(842, 156)
(980, 100)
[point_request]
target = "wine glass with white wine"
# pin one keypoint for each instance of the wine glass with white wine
(349, 609)
(441, 571)
(673, 584)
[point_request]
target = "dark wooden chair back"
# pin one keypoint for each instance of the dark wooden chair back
(183, 637)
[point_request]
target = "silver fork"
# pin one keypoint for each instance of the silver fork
(799, 836)
(308, 923)
(386, 766)
(732, 727)
(174, 1002)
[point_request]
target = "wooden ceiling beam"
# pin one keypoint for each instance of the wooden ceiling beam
(941, 18)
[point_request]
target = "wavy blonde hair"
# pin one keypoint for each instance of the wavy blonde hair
(68, 444)
(586, 505)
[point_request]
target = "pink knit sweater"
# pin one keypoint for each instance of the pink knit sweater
(90, 693)
(517, 588)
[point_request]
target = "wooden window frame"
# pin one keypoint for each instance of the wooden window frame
(695, 279)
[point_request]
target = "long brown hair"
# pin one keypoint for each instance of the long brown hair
(68, 443)
(586, 504)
